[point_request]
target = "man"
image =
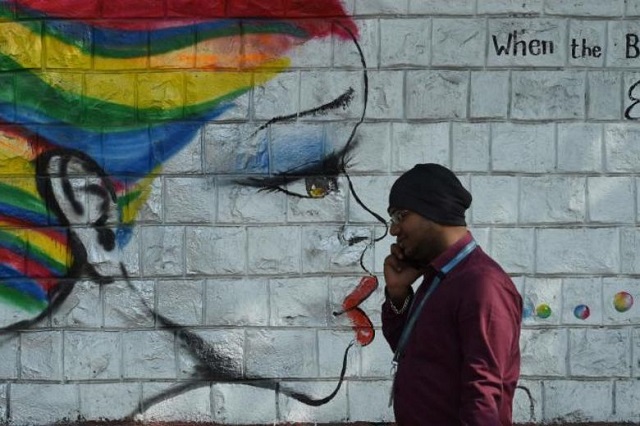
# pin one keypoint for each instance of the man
(459, 359)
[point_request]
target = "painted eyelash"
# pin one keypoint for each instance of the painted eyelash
(330, 167)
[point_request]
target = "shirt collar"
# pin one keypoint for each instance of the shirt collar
(438, 263)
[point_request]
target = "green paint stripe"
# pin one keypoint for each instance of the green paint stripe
(22, 199)
(21, 300)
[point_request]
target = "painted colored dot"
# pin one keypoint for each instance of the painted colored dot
(622, 301)
(543, 311)
(528, 310)
(582, 312)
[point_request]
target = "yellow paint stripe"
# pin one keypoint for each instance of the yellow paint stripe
(54, 250)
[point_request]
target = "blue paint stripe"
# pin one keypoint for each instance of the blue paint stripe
(20, 283)
(32, 217)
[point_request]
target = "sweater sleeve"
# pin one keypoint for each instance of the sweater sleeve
(392, 323)
(489, 328)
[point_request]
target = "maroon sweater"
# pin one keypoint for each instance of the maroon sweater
(462, 361)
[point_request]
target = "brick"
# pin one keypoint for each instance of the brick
(577, 401)
(62, 55)
(372, 155)
(189, 160)
(584, 35)
(470, 147)
(346, 55)
(630, 244)
(621, 147)
(635, 362)
(609, 199)
(373, 191)
(124, 307)
(24, 45)
(592, 250)
(181, 301)
(331, 346)
(281, 353)
(235, 149)
(611, 287)
(528, 148)
(273, 250)
(587, 358)
(298, 302)
(543, 352)
(230, 404)
(237, 302)
(331, 249)
(215, 250)
(3, 403)
(605, 96)
(493, 199)
(436, 94)
(617, 49)
(190, 200)
(437, 7)
(243, 204)
(335, 410)
(579, 147)
(513, 249)
(419, 143)
(582, 291)
(82, 308)
(376, 358)
(92, 355)
(509, 6)
(148, 355)
(37, 403)
(369, 401)
(383, 7)
(489, 94)
(224, 354)
(41, 355)
(550, 33)
(458, 42)
(164, 250)
(319, 87)
(523, 403)
(190, 406)
(633, 8)
(280, 94)
(405, 42)
(548, 95)
(542, 291)
(564, 196)
(108, 401)
(331, 208)
(9, 354)
(385, 97)
(584, 7)
(627, 393)
(318, 53)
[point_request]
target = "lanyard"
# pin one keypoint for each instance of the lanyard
(415, 313)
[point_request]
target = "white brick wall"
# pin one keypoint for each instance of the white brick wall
(542, 142)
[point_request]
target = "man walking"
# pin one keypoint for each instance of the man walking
(456, 339)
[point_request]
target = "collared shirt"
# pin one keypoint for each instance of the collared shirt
(462, 361)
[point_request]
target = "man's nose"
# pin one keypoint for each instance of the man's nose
(394, 229)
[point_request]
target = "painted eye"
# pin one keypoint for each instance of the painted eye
(311, 187)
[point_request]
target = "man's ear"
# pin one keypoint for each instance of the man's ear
(79, 192)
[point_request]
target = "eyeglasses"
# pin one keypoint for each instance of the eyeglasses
(397, 216)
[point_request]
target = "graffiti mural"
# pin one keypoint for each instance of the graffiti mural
(95, 97)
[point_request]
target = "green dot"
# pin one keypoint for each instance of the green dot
(543, 311)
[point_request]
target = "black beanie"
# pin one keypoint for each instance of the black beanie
(432, 191)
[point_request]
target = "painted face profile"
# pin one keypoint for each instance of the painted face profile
(103, 98)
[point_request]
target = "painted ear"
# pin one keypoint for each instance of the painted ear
(79, 192)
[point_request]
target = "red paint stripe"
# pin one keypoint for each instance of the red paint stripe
(28, 268)
(362, 326)
(55, 234)
(362, 291)
(329, 10)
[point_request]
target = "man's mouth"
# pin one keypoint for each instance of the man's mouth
(360, 322)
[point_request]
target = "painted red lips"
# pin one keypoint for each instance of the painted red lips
(360, 322)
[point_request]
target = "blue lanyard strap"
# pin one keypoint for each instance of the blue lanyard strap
(415, 313)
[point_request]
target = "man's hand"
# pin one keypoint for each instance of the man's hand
(399, 274)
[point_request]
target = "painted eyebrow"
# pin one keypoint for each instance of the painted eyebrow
(341, 101)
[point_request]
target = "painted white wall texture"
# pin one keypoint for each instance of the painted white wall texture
(229, 306)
